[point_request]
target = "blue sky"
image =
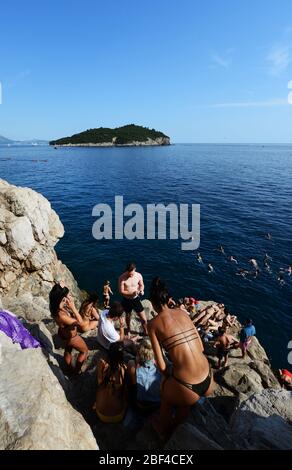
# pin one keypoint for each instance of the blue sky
(201, 71)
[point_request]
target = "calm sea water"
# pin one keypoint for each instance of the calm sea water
(244, 191)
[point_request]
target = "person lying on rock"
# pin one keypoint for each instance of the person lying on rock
(229, 319)
(173, 331)
(111, 394)
(68, 319)
(89, 313)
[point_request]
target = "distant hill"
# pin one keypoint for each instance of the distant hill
(126, 135)
(4, 140)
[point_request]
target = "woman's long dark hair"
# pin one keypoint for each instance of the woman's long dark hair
(56, 295)
(159, 294)
(91, 299)
(115, 359)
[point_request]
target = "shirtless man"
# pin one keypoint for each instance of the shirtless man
(224, 344)
(131, 285)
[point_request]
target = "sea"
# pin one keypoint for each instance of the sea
(244, 192)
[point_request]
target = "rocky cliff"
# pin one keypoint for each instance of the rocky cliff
(248, 409)
(29, 230)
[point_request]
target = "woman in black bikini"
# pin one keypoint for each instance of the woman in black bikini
(173, 331)
(68, 319)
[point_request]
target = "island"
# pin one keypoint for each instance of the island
(129, 135)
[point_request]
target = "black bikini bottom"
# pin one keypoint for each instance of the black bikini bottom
(201, 388)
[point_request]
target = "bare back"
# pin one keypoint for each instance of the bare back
(177, 334)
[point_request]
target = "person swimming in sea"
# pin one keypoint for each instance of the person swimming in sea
(267, 266)
(199, 258)
(221, 249)
(233, 259)
(242, 272)
(289, 270)
(267, 258)
(280, 279)
(256, 273)
(268, 236)
(254, 263)
(210, 268)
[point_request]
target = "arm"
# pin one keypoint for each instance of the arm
(95, 313)
(131, 369)
(122, 329)
(100, 371)
(141, 285)
(110, 291)
(232, 338)
(75, 312)
(161, 364)
(66, 320)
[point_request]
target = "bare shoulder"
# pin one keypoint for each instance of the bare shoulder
(122, 277)
(152, 323)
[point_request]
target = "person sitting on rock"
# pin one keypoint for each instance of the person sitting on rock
(111, 396)
(145, 378)
(107, 334)
(68, 319)
(89, 313)
(224, 344)
(246, 334)
(173, 331)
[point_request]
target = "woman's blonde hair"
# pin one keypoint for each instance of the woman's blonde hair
(145, 352)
